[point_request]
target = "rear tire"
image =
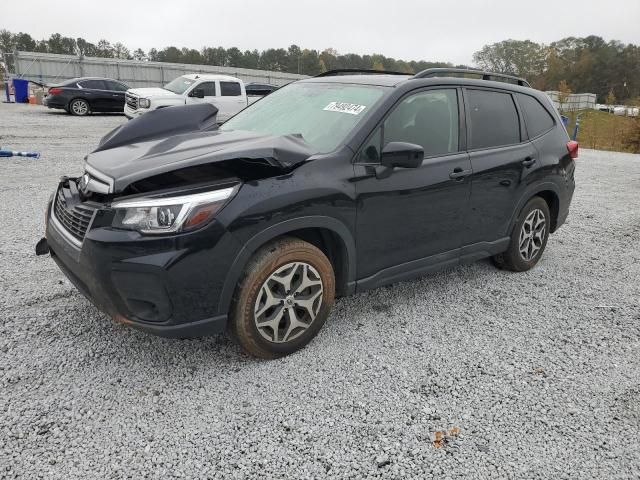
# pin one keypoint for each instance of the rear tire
(79, 107)
(283, 299)
(528, 239)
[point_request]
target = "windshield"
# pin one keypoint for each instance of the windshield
(323, 113)
(179, 85)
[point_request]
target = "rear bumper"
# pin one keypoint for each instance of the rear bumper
(165, 286)
(52, 101)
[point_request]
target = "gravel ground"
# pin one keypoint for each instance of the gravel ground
(530, 375)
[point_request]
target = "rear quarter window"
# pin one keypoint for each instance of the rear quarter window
(536, 118)
(494, 119)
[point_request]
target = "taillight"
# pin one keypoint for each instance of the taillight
(55, 91)
(572, 148)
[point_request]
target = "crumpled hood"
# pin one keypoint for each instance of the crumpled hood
(129, 163)
(151, 92)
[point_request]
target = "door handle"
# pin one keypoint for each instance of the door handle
(458, 173)
(527, 162)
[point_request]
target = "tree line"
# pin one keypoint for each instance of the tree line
(291, 60)
(609, 69)
(579, 65)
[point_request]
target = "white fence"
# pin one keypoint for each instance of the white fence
(576, 101)
(50, 68)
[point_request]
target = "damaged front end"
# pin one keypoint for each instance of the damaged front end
(137, 232)
(144, 259)
(166, 172)
(145, 154)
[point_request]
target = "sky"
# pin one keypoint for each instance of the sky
(403, 29)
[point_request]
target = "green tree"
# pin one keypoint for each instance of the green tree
(191, 55)
(329, 58)
(170, 55)
(62, 45)
(275, 59)
(310, 62)
(139, 55)
(234, 57)
(104, 49)
(250, 59)
(517, 57)
(120, 51)
(214, 56)
(84, 48)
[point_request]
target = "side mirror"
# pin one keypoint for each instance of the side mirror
(402, 154)
(197, 93)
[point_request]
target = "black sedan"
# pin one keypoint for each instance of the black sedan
(81, 96)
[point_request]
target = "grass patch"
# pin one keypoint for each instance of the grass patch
(605, 131)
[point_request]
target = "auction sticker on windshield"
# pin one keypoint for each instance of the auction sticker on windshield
(344, 107)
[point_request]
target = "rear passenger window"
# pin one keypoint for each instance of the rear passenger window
(494, 119)
(93, 84)
(230, 89)
(116, 86)
(537, 119)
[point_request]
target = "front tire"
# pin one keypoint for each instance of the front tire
(79, 107)
(528, 239)
(283, 300)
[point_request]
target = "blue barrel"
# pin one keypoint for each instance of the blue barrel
(565, 121)
(21, 90)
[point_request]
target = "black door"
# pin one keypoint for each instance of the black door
(502, 160)
(115, 98)
(96, 93)
(409, 220)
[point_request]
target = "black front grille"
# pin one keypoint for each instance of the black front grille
(132, 102)
(75, 218)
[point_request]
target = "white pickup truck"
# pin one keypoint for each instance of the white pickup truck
(227, 93)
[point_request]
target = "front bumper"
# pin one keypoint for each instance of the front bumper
(168, 286)
(131, 113)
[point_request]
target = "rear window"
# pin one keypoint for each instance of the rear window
(230, 89)
(537, 119)
(494, 119)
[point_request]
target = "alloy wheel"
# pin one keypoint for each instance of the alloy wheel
(532, 235)
(288, 302)
(79, 107)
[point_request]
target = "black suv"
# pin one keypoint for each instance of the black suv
(329, 186)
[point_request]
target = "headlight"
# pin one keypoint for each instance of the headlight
(170, 214)
(144, 103)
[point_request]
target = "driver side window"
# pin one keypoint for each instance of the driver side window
(209, 88)
(428, 119)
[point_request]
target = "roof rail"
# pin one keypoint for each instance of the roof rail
(361, 71)
(444, 72)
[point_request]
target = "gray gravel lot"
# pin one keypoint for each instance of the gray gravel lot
(539, 371)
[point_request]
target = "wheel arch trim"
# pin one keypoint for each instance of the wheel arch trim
(531, 192)
(278, 230)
